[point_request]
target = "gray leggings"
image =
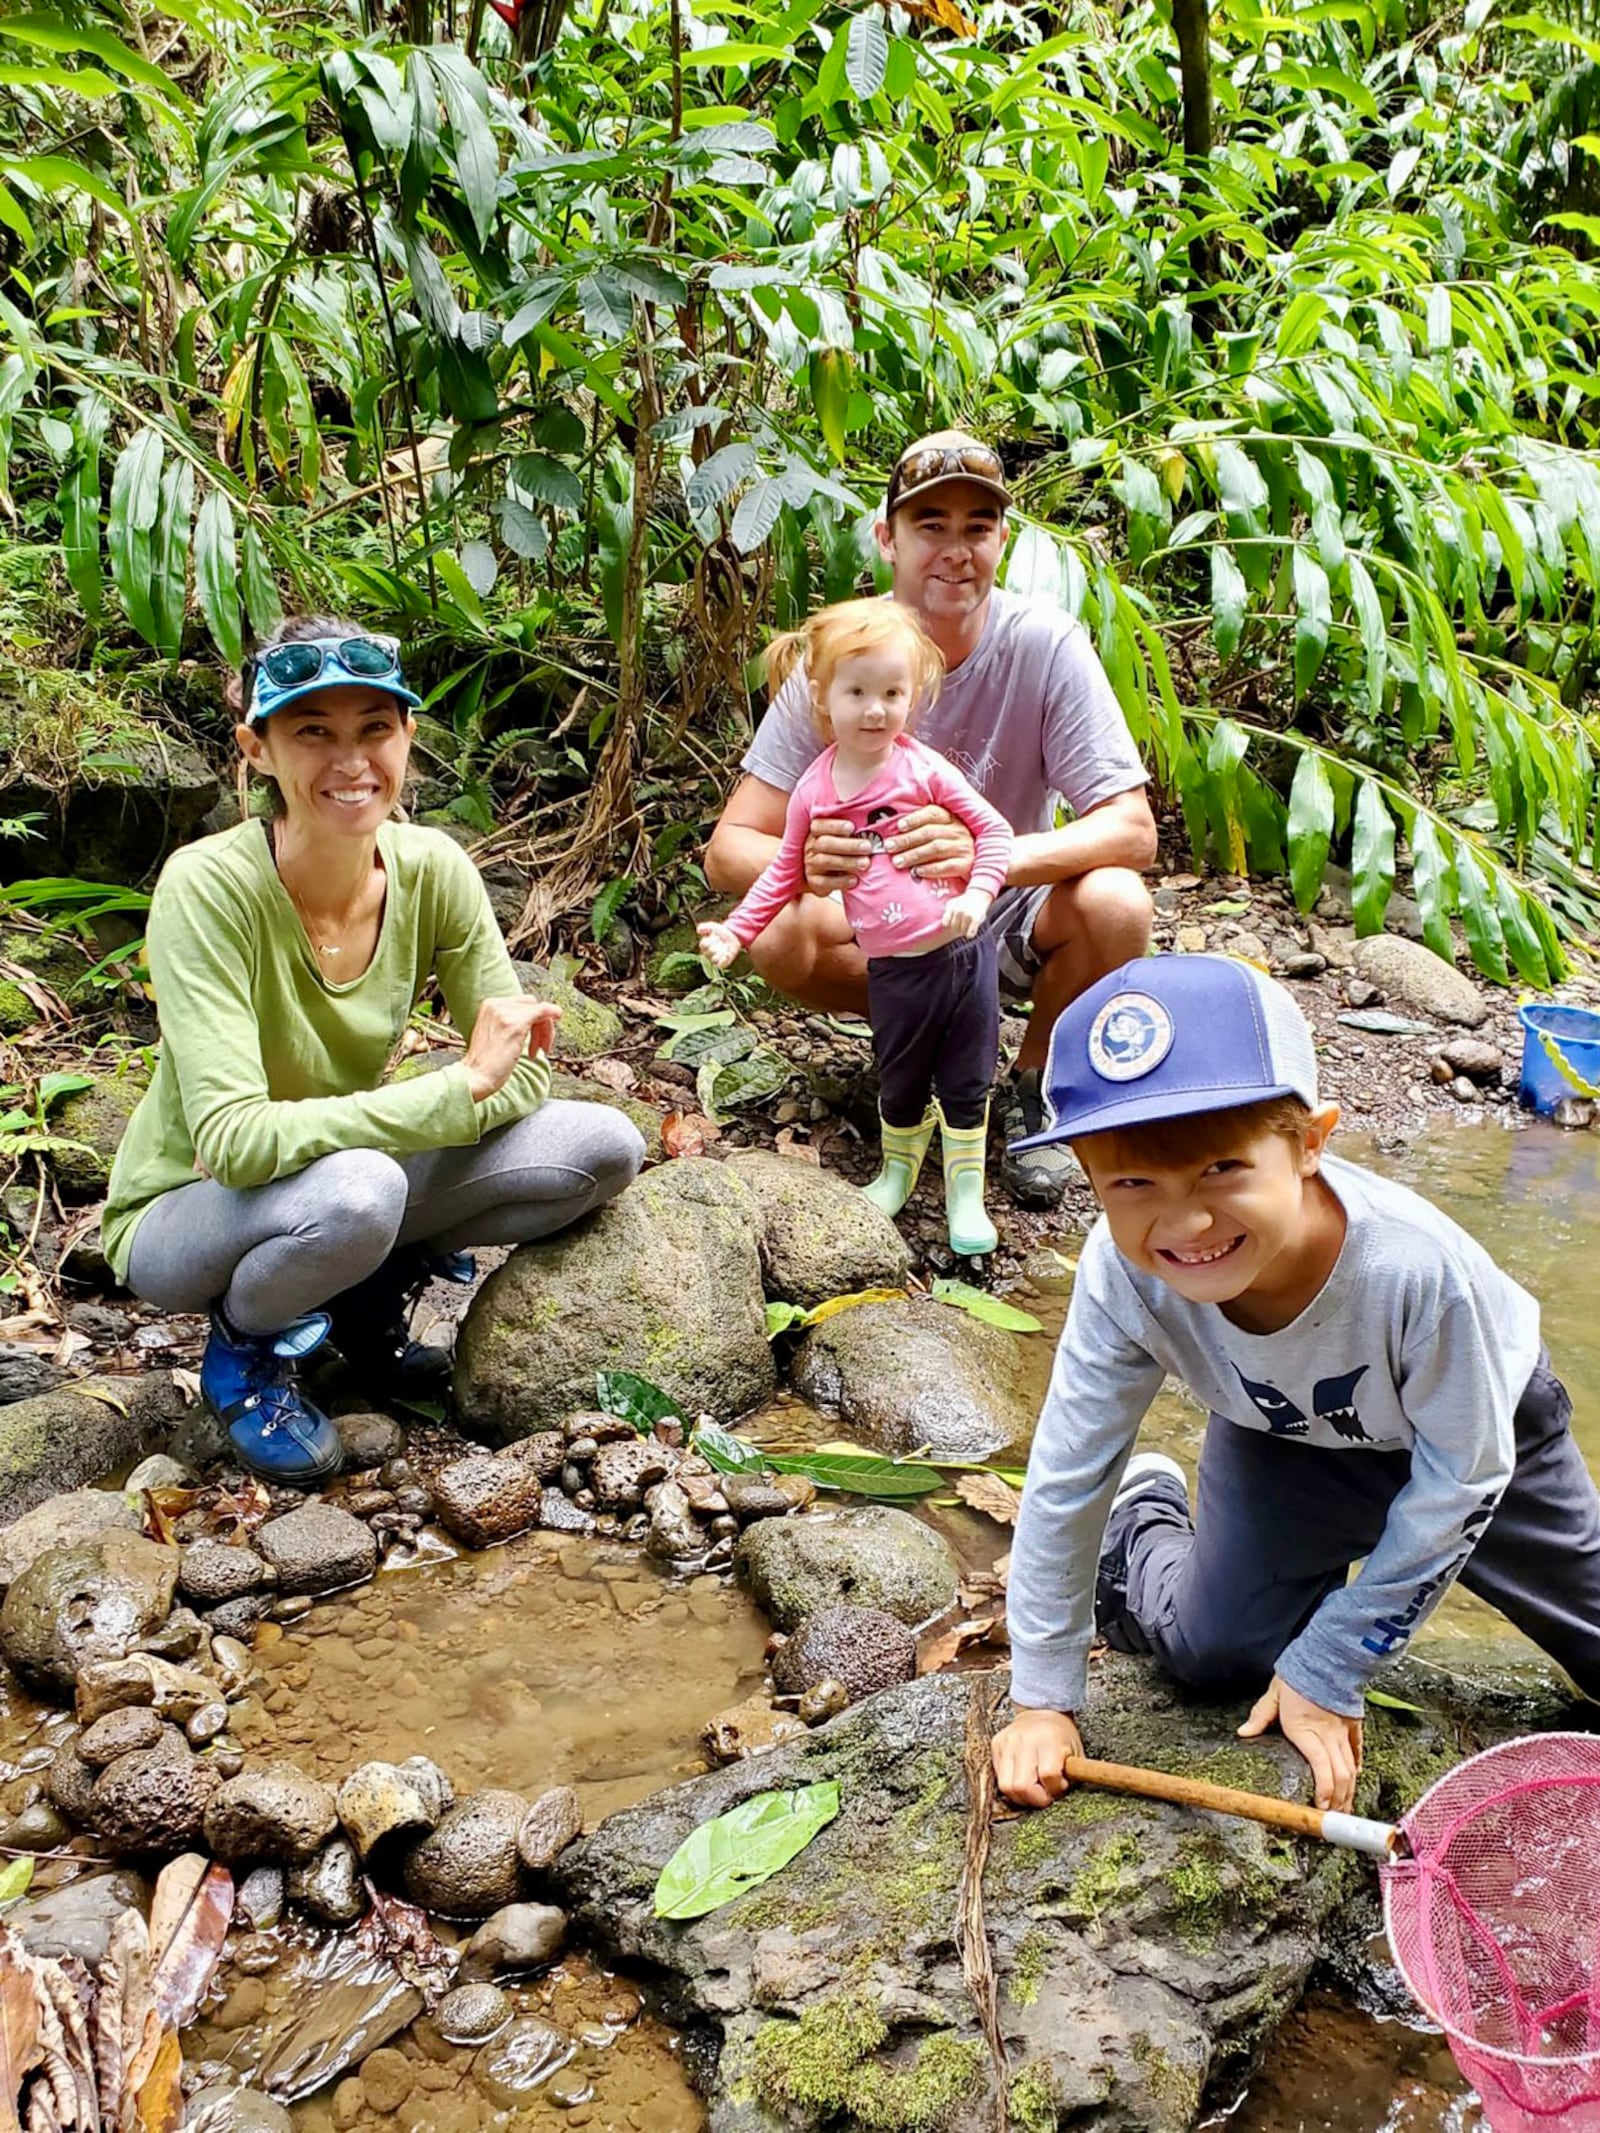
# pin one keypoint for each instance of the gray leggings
(278, 1250)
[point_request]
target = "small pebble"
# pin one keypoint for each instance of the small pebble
(471, 2014)
(210, 1720)
(292, 1607)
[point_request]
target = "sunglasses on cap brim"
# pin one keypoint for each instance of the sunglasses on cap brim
(930, 462)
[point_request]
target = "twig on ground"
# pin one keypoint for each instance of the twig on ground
(972, 1932)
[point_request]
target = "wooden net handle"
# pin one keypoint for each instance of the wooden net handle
(1381, 1839)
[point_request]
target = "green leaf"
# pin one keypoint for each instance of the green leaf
(634, 1400)
(169, 556)
(79, 500)
(547, 481)
(978, 1303)
(828, 373)
(741, 1849)
(260, 592)
(1313, 618)
(1371, 858)
(859, 1473)
(1374, 636)
(216, 575)
(783, 1318)
(606, 304)
(1527, 952)
(756, 515)
(867, 50)
(714, 482)
(1229, 593)
(725, 1085)
(15, 1877)
(1385, 1702)
(607, 904)
(53, 1087)
(1430, 881)
(135, 500)
(1310, 828)
(729, 1454)
(53, 34)
(522, 533)
(1480, 918)
(477, 160)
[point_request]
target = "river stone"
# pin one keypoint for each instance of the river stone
(122, 1732)
(154, 1801)
(77, 1920)
(369, 1440)
(174, 1692)
(545, 1452)
(159, 1472)
(68, 1439)
(588, 1028)
(753, 1496)
(510, 2068)
(64, 1522)
(664, 1280)
(238, 1618)
(38, 1828)
(912, 1372)
(862, 1647)
(329, 1886)
(487, 1498)
(469, 1865)
(676, 1536)
(225, 2110)
(71, 1782)
(381, 1802)
(259, 1900)
(318, 1548)
(472, 2013)
(27, 1371)
(1409, 971)
(819, 1237)
(622, 1472)
(874, 1556)
(211, 1573)
(96, 1600)
(1474, 1057)
(1143, 1955)
(521, 1936)
(275, 1813)
(95, 1119)
(549, 1826)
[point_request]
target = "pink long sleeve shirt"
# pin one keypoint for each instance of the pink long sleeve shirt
(892, 912)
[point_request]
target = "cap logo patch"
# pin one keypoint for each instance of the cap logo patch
(1130, 1037)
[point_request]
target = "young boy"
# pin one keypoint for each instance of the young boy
(1377, 1389)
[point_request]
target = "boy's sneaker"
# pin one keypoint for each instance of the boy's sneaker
(1150, 1479)
(371, 1323)
(1037, 1177)
(247, 1381)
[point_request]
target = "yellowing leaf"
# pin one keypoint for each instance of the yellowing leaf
(836, 1304)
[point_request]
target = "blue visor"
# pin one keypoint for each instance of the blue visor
(286, 672)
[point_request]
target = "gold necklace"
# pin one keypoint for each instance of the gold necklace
(311, 928)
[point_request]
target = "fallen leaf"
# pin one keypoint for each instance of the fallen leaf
(189, 1917)
(70, 1346)
(162, 1509)
(615, 1074)
(104, 1395)
(684, 1133)
(835, 1304)
(997, 1499)
(159, 2104)
(19, 2033)
(786, 1144)
(188, 1383)
(939, 1651)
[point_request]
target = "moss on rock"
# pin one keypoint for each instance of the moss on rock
(17, 1011)
(93, 1121)
(825, 2064)
(1032, 2098)
(588, 1028)
(1100, 1880)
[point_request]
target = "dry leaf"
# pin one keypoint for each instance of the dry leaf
(159, 2107)
(685, 1133)
(104, 1395)
(19, 2032)
(614, 1073)
(163, 1507)
(786, 1144)
(70, 1346)
(67, 2073)
(405, 1936)
(937, 1652)
(188, 1383)
(835, 1304)
(997, 1499)
(946, 14)
(189, 1918)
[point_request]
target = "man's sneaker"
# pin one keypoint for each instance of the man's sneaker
(371, 1323)
(247, 1381)
(1037, 1177)
(1150, 1479)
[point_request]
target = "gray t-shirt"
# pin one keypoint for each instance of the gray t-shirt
(1027, 715)
(1417, 1342)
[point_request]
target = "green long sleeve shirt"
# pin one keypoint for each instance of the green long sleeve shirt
(265, 1064)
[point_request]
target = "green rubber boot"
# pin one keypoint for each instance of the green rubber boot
(903, 1150)
(972, 1234)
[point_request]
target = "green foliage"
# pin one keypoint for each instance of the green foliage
(634, 1400)
(746, 1846)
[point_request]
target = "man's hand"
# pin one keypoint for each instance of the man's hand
(835, 857)
(505, 1032)
(1329, 1743)
(1029, 1755)
(719, 944)
(932, 844)
(964, 914)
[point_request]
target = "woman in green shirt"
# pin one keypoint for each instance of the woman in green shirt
(270, 1170)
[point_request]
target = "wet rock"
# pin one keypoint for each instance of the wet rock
(487, 1498)
(65, 1440)
(909, 1373)
(587, 1430)
(154, 1801)
(822, 1701)
(180, 1637)
(64, 1522)
(275, 1813)
(259, 1897)
(559, 1514)
(38, 1828)
(94, 1119)
(622, 1472)
(861, 1647)
(174, 1692)
(72, 1606)
(818, 1236)
(469, 1865)
(472, 2013)
(676, 1535)
(872, 1557)
(329, 1886)
(211, 1572)
(545, 1452)
(27, 1370)
(318, 1548)
(431, 1783)
(1575, 1114)
(225, 2110)
(520, 1936)
(238, 1618)
(206, 1723)
(380, 1802)
(1474, 1057)
(1406, 970)
(369, 1440)
(159, 1472)
(753, 1496)
(588, 1028)
(665, 1280)
(77, 1920)
(387, 2079)
(749, 1728)
(122, 1732)
(550, 1825)
(71, 1782)
(512, 2067)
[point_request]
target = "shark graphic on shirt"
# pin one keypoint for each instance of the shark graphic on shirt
(1284, 1419)
(1333, 1400)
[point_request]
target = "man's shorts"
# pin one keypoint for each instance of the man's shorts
(1011, 919)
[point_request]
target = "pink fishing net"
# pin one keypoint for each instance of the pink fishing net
(1495, 1923)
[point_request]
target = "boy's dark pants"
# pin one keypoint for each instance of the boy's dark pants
(935, 1027)
(1278, 1525)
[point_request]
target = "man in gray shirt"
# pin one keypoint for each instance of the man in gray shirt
(1027, 714)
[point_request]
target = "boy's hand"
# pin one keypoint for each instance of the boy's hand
(1030, 1752)
(719, 944)
(964, 914)
(1329, 1743)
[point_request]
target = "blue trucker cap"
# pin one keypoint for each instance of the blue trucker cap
(1168, 1036)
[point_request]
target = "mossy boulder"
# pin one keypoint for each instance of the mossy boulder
(681, 938)
(913, 1372)
(588, 1028)
(54, 958)
(17, 1011)
(665, 1280)
(68, 1439)
(819, 1236)
(146, 794)
(870, 1557)
(572, 1088)
(92, 1123)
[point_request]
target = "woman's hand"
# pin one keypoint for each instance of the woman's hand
(1029, 1755)
(1329, 1743)
(932, 844)
(719, 944)
(505, 1032)
(835, 857)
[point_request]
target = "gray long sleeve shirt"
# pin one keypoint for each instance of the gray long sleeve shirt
(1417, 1342)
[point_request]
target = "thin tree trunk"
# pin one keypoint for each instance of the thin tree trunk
(1191, 21)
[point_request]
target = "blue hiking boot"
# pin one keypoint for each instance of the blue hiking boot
(247, 1381)
(371, 1323)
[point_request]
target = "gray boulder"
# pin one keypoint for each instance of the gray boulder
(62, 1522)
(871, 1557)
(275, 1813)
(68, 1439)
(665, 1281)
(318, 1548)
(1143, 1954)
(117, 821)
(573, 1088)
(470, 1864)
(908, 1373)
(154, 1801)
(819, 1236)
(78, 1919)
(587, 1027)
(1406, 970)
(72, 1606)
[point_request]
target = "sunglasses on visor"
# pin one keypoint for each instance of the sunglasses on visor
(929, 462)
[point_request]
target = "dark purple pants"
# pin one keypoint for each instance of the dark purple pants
(935, 1028)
